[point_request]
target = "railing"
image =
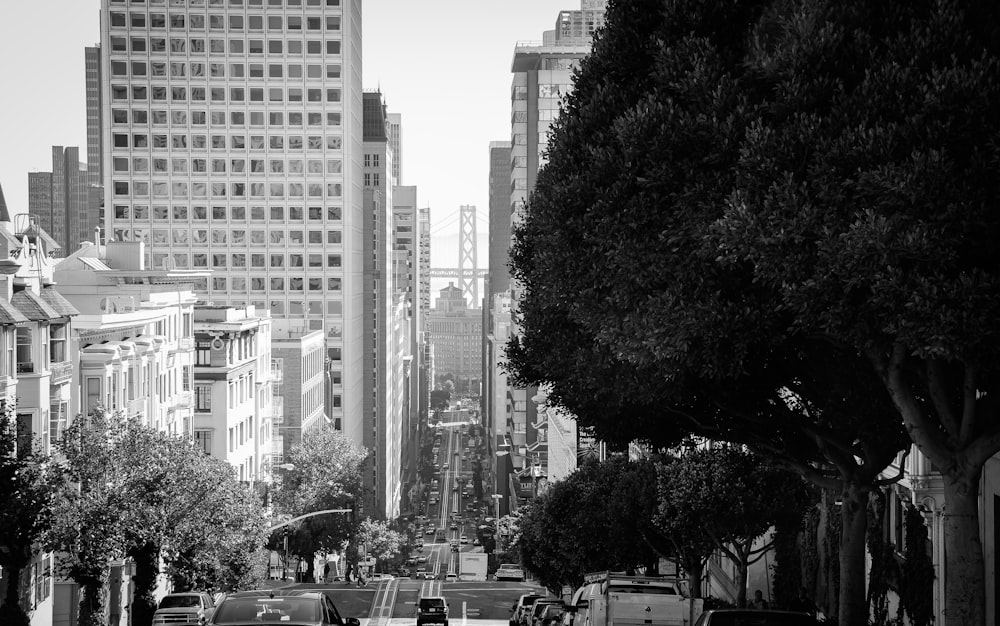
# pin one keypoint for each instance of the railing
(25, 368)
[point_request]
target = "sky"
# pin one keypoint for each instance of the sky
(443, 65)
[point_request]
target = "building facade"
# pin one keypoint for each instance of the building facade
(456, 332)
(232, 388)
(233, 143)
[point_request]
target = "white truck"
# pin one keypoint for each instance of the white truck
(472, 566)
(613, 599)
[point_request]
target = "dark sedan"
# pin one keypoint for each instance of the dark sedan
(279, 606)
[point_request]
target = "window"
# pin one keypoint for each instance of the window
(203, 393)
(203, 356)
(203, 440)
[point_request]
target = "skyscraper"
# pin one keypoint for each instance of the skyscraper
(59, 200)
(233, 142)
(95, 134)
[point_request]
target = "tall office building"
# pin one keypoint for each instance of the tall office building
(95, 134)
(542, 75)
(396, 142)
(497, 282)
(233, 142)
(385, 320)
(95, 143)
(406, 244)
(59, 200)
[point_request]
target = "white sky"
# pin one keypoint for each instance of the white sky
(444, 65)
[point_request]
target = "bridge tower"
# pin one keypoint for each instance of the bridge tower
(468, 266)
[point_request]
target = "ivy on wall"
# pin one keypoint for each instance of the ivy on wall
(916, 580)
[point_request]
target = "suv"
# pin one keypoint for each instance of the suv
(432, 609)
(285, 606)
(184, 608)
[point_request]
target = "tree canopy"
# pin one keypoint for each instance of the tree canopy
(730, 497)
(778, 215)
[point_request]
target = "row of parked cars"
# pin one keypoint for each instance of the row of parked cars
(608, 599)
(249, 608)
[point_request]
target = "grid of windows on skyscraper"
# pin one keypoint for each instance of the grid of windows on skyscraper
(226, 144)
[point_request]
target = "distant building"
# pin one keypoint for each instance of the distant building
(456, 332)
(61, 200)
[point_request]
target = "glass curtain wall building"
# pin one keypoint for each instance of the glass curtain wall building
(233, 143)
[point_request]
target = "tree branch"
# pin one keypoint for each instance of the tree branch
(882, 482)
(937, 387)
(918, 425)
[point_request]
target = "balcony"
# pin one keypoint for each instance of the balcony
(61, 372)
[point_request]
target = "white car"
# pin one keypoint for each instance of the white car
(452, 577)
(463, 540)
(510, 571)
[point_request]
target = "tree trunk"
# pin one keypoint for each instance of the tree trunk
(94, 601)
(147, 566)
(965, 584)
(695, 570)
(741, 581)
(854, 518)
(11, 611)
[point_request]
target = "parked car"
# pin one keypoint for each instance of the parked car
(464, 540)
(522, 604)
(551, 615)
(754, 617)
(284, 606)
(432, 610)
(421, 573)
(538, 607)
(451, 577)
(184, 608)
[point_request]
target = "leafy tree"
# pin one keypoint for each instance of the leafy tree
(867, 207)
(325, 473)
(90, 519)
(379, 541)
(600, 517)
(440, 399)
(626, 285)
(27, 482)
(219, 529)
(732, 497)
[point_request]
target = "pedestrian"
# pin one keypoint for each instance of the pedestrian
(758, 601)
(803, 603)
(326, 572)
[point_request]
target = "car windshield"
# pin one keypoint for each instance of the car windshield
(428, 603)
(177, 602)
(266, 610)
